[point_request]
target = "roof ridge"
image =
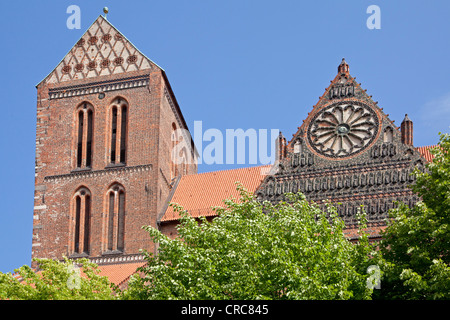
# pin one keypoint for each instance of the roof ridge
(430, 146)
(225, 170)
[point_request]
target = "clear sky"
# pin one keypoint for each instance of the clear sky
(232, 64)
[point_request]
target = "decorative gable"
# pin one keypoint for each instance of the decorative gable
(344, 105)
(347, 152)
(101, 51)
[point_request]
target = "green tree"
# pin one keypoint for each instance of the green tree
(54, 280)
(416, 241)
(253, 250)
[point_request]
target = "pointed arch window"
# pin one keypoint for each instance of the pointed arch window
(80, 222)
(84, 132)
(174, 139)
(183, 161)
(118, 132)
(178, 153)
(114, 220)
(388, 135)
(298, 147)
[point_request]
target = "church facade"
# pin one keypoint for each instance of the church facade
(348, 152)
(107, 124)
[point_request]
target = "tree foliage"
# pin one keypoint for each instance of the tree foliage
(54, 280)
(289, 250)
(253, 250)
(416, 241)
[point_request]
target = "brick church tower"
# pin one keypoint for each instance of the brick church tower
(107, 123)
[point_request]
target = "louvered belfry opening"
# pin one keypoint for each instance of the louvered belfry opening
(84, 139)
(118, 131)
(114, 220)
(80, 222)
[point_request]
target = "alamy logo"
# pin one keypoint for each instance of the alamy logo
(374, 20)
(373, 281)
(235, 146)
(74, 280)
(74, 20)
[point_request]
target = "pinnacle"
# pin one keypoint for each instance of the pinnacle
(343, 67)
(406, 118)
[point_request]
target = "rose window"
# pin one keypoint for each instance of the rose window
(343, 129)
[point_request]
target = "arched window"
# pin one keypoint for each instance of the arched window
(388, 135)
(85, 122)
(80, 221)
(114, 219)
(297, 146)
(118, 131)
(173, 162)
(183, 161)
(113, 134)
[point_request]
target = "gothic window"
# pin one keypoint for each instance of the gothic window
(295, 160)
(80, 221)
(84, 131)
(388, 134)
(183, 162)
(113, 134)
(118, 131)
(80, 138)
(89, 139)
(341, 129)
(174, 139)
(178, 153)
(123, 130)
(114, 219)
(297, 147)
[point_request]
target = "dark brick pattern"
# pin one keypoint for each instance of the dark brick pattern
(375, 178)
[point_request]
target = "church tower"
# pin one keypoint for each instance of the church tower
(107, 122)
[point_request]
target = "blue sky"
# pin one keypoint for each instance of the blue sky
(232, 64)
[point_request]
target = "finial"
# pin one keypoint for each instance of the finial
(343, 67)
(105, 11)
(406, 118)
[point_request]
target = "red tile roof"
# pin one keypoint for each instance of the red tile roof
(373, 231)
(425, 152)
(198, 193)
(119, 273)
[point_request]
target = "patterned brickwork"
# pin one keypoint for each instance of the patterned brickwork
(101, 51)
(347, 152)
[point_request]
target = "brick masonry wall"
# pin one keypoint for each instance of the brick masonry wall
(145, 178)
(376, 177)
(168, 119)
